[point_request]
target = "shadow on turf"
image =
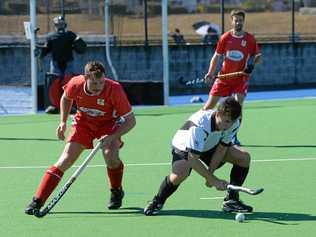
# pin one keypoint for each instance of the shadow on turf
(121, 211)
(272, 217)
(27, 139)
(282, 146)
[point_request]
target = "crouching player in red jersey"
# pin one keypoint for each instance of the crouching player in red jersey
(239, 52)
(100, 103)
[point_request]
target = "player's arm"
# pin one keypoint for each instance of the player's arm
(252, 62)
(216, 160)
(212, 68)
(41, 50)
(78, 44)
(127, 123)
(65, 107)
(197, 165)
(217, 157)
(124, 110)
(194, 146)
(46, 48)
(254, 59)
(257, 59)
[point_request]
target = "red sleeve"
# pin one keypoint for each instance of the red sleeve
(220, 48)
(120, 101)
(71, 88)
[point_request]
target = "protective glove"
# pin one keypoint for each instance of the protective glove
(249, 68)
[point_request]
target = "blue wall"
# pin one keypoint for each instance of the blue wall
(284, 65)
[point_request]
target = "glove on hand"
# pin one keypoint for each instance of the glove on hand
(249, 68)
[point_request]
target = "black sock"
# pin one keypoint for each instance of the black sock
(238, 176)
(166, 190)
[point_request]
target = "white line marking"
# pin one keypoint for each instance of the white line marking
(211, 198)
(154, 164)
(280, 160)
(76, 166)
(149, 164)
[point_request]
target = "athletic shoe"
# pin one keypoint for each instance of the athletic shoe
(196, 99)
(34, 207)
(232, 205)
(52, 110)
(153, 207)
(117, 195)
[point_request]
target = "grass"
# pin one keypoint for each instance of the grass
(280, 135)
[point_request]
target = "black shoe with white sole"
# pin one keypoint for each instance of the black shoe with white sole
(232, 205)
(34, 207)
(153, 207)
(117, 195)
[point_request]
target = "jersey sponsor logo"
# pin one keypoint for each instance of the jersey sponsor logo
(243, 43)
(235, 55)
(92, 112)
(100, 101)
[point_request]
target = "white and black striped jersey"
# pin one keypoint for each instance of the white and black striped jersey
(198, 134)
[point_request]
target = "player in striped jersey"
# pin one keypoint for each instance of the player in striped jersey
(203, 144)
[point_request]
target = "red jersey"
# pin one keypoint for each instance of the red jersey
(236, 51)
(96, 110)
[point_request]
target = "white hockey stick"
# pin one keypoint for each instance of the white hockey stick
(244, 189)
(70, 181)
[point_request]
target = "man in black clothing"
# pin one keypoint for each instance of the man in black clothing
(60, 44)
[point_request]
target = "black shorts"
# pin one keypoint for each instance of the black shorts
(205, 157)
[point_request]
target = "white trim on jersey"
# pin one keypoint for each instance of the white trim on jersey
(203, 137)
(128, 113)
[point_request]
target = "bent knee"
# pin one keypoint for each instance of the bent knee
(111, 158)
(246, 159)
(108, 153)
(64, 164)
(176, 179)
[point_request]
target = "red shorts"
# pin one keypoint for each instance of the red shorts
(84, 135)
(229, 87)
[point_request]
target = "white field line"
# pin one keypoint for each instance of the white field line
(76, 166)
(211, 198)
(157, 164)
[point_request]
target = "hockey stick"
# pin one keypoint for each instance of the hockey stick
(70, 181)
(220, 76)
(244, 189)
(38, 51)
